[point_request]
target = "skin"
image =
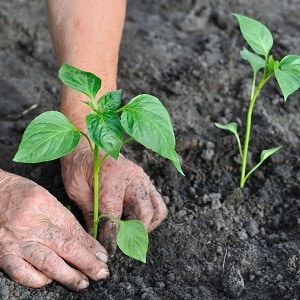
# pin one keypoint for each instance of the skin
(124, 190)
(92, 43)
(40, 240)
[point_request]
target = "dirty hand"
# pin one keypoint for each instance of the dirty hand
(124, 191)
(40, 240)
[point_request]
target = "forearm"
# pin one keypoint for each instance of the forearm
(87, 35)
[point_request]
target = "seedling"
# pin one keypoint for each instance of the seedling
(286, 72)
(51, 135)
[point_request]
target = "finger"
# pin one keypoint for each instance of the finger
(22, 272)
(70, 249)
(160, 210)
(53, 266)
(72, 226)
(137, 204)
(111, 202)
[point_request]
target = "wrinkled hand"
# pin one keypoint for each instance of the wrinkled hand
(40, 240)
(124, 191)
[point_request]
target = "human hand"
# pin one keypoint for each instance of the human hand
(124, 191)
(40, 240)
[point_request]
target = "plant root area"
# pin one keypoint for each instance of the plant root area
(219, 241)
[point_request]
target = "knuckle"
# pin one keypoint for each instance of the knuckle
(21, 218)
(49, 263)
(69, 248)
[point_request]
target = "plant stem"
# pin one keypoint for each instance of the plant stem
(128, 140)
(254, 96)
(96, 191)
(88, 139)
(97, 166)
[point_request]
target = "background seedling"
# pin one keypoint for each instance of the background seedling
(51, 135)
(286, 72)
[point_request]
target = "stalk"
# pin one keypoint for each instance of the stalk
(248, 128)
(96, 190)
(97, 166)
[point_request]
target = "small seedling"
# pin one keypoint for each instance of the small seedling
(109, 126)
(286, 72)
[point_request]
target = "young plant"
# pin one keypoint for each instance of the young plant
(286, 72)
(51, 135)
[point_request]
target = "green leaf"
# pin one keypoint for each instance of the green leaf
(256, 34)
(148, 121)
(232, 127)
(110, 101)
(256, 61)
(263, 156)
(81, 81)
(287, 73)
(132, 239)
(106, 131)
(268, 152)
(290, 62)
(49, 136)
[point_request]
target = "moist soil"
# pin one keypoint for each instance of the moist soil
(219, 241)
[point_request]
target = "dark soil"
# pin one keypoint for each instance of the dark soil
(218, 242)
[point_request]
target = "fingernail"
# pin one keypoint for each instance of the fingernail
(83, 284)
(103, 274)
(102, 256)
(48, 281)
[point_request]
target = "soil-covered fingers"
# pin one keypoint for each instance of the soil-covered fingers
(53, 266)
(65, 247)
(23, 272)
(72, 226)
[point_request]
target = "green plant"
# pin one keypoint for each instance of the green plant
(109, 126)
(286, 72)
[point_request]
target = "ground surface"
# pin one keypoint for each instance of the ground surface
(219, 242)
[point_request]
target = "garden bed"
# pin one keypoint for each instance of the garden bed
(218, 242)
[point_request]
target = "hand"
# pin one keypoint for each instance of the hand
(124, 190)
(40, 240)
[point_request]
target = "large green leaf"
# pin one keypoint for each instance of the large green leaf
(133, 239)
(287, 73)
(256, 61)
(49, 136)
(81, 81)
(147, 121)
(110, 101)
(256, 34)
(106, 131)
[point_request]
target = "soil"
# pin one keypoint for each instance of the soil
(219, 241)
